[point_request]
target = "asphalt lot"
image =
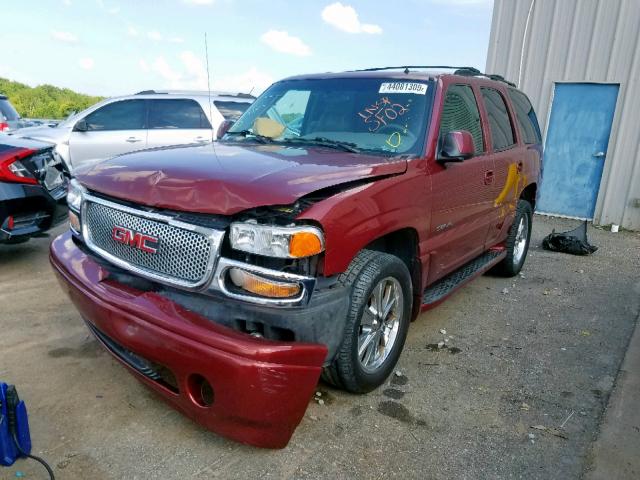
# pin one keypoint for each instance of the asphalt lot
(542, 349)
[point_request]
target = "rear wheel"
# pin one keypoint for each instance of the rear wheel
(517, 242)
(377, 322)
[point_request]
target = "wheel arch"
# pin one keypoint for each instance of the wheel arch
(529, 194)
(404, 244)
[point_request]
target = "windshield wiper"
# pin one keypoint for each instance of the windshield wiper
(249, 133)
(325, 142)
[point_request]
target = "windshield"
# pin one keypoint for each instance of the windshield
(376, 115)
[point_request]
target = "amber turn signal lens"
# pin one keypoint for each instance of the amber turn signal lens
(74, 221)
(304, 244)
(261, 286)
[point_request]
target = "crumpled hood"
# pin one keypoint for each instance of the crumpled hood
(225, 179)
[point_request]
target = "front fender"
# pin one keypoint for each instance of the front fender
(354, 218)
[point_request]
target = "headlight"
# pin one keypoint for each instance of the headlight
(272, 241)
(74, 195)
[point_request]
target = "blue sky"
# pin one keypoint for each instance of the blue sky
(111, 47)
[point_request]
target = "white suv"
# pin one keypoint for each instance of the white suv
(147, 119)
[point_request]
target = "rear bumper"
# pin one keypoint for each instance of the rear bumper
(35, 210)
(261, 388)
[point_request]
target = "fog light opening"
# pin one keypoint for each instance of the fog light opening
(261, 286)
(200, 390)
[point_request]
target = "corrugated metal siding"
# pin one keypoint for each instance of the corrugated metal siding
(580, 41)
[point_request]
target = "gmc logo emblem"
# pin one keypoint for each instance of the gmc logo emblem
(138, 240)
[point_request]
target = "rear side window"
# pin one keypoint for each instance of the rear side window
(231, 110)
(526, 117)
(460, 112)
(501, 129)
(7, 111)
(176, 114)
(124, 115)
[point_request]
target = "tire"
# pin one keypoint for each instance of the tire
(385, 273)
(517, 242)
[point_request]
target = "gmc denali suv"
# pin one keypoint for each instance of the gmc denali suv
(229, 276)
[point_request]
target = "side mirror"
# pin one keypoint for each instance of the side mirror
(457, 146)
(81, 126)
(224, 128)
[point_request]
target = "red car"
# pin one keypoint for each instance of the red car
(229, 277)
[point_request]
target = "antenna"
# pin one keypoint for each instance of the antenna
(206, 53)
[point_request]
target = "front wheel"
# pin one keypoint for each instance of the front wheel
(517, 242)
(377, 322)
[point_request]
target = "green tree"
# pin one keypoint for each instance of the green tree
(44, 101)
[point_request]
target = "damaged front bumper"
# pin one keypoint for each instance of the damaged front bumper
(252, 390)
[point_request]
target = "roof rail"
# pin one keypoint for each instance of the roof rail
(499, 78)
(408, 68)
(466, 71)
(194, 92)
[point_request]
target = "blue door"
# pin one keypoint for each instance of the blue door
(576, 148)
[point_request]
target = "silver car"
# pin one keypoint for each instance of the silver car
(144, 120)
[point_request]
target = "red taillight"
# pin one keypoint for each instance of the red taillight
(12, 169)
(4, 126)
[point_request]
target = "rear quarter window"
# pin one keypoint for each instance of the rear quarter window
(231, 110)
(526, 117)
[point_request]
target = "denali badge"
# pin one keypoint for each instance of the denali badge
(138, 240)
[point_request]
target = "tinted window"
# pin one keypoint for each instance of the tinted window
(501, 129)
(124, 115)
(174, 114)
(526, 117)
(7, 111)
(231, 110)
(460, 112)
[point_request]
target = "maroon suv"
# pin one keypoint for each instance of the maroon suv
(228, 277)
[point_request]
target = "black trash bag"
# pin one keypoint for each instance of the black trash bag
(574, 242)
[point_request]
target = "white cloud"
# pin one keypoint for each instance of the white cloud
(191, 74)
(67, 3)
(86, 63)
(154, 35)
(66, 37)
(345, 18)
(132, 31)
(175, 40)
(199, 2)
(281, 41)
(113, 10)
(253, 80)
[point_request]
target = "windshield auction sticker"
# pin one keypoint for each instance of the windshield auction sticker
(403, 87)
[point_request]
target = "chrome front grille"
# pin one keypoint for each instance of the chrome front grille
(185, 254)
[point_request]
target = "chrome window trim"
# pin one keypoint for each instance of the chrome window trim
(224, 264)
(214, 238)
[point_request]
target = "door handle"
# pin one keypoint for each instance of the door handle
(201, 139)
(599, 154)
(133, 140)
(488, 177)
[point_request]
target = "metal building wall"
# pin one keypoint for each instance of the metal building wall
(579, 41)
